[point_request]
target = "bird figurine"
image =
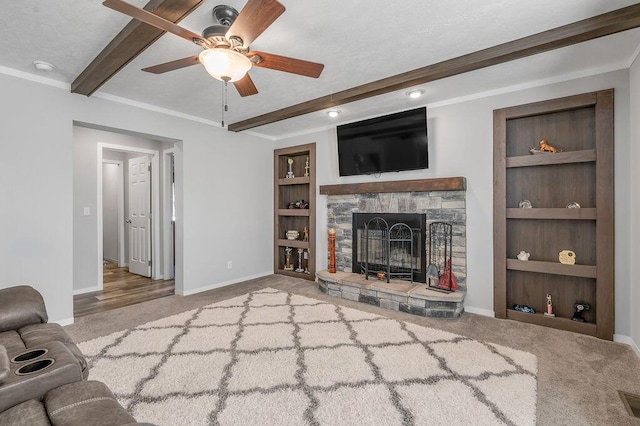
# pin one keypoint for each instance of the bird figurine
(545, 147)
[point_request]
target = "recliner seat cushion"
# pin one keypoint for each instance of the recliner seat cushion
(30, 413)
(85, 403)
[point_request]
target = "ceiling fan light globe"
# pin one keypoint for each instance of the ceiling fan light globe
(224, 64)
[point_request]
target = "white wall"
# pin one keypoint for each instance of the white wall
(461, 144)
(110, 173)
(35, 189)
(224, 209)
(633, 302)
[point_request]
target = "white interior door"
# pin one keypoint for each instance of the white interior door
(140, 216)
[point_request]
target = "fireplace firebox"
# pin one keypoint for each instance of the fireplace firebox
(390, 245)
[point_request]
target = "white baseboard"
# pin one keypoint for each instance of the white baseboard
(480, 311)
(64, 322)
(85, 290)
(109, 259)
(627, 341)
(222, 284)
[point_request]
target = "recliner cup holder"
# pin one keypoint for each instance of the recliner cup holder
(35, 366)
(29, 355)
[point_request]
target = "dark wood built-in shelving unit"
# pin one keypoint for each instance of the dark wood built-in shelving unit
(582, 126)
(286, 191)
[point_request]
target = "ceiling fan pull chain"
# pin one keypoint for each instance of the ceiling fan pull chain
(225, 107)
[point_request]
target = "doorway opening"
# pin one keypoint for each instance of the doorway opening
(132, 243)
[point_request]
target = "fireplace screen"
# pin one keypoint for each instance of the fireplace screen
(389, 247)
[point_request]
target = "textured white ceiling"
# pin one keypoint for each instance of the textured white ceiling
(358, 42)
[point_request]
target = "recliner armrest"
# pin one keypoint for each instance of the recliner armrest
(21, 306)
(4, 364)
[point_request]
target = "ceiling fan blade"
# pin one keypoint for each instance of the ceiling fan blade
(173, 65)
(254, 18)
(153, 20)
(292, 65)
(245, 86)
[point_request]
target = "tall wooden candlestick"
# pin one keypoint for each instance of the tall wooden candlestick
(332, 251)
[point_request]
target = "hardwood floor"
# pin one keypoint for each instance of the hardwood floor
(121, 288)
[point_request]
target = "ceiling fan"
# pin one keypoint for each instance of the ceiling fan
(226, 55)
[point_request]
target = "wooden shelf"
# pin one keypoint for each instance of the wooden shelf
(293, 212)
(293, 243)
(294, 181)
(294, 274)
(554, 322)
(564, 214)
(415, 185)
(584, 156)
(555, 268)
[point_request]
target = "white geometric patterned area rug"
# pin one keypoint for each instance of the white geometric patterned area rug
(275, 358)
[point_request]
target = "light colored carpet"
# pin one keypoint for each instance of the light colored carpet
(273, 357)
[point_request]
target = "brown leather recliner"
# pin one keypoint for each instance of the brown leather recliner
(43, 373)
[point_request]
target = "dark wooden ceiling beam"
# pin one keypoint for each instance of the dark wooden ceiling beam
(129, 43)
(588, 29)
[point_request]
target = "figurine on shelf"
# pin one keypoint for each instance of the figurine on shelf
(290, 174)
(567, 257)
(306, 262)
(306, 168)
(523, 255)
(545, 147)
(524, 308)
(287, 259)
(300, 268)
(305, 234)
(292, 234)
(580, 308)
(549, 311)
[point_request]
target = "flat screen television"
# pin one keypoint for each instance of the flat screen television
(390, 143)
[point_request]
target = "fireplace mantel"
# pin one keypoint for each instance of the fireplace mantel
(415, 185)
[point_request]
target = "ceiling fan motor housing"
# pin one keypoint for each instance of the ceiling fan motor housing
(224, 15)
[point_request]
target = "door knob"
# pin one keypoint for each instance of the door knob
(128, 220)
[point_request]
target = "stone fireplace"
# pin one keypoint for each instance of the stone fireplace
(438, 200)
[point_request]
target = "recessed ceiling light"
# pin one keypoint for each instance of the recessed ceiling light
(43, 66)
(333, 113)
(414, 94)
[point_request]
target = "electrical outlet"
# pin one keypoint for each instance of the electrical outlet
(229, 264)
(87, 211)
